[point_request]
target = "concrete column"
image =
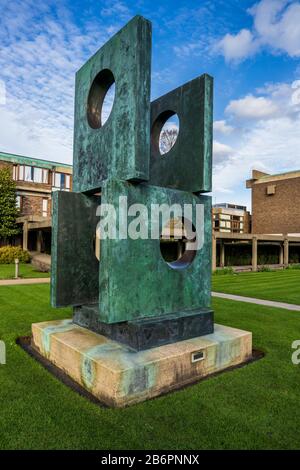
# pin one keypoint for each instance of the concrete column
(39, 241)
(25, 236)
(281, 253)
(222, 254)
(286, 252)
(254, 254)
(214, 253)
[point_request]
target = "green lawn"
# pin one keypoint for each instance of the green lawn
(283, 286)
(7, 271)
(257, 406)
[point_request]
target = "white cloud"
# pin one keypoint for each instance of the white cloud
(192, 48)
(252, 107)
(2, 93)
(223, 127)
(269, 142)
(295, 98)
(220, 149)
(275, 25)
(116, 8)
(236, 47)
(41, 49)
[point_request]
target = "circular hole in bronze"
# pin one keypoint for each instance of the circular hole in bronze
(176, 246)
(101, 99)
(165, 132)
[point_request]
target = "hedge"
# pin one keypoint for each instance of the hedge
(8, 254)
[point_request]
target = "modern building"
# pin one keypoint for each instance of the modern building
(270, 236)
(275, 203)
(231, 218)
(35, 180)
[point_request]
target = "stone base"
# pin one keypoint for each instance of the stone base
(118, 375)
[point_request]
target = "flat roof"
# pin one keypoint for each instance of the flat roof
(285, 173)
(229, 205)
(265, 178)
(21, 159)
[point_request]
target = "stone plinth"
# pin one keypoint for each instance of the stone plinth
(118, 375)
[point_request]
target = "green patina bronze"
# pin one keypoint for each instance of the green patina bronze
(121, 147)
(188, 165)
(133, 281)
(74, 266)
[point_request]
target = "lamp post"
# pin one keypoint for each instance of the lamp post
(16, 268)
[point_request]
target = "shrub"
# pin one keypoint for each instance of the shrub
(8, 209)
(265, 269)
(293, 266)
(8, 254)
(220, 272)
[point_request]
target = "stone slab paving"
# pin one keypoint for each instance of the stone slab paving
(252, 300)
(18, 282)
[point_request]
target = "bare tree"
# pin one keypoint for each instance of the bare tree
(167, 139)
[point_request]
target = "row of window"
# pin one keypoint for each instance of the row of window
(34, 174)
(227, 217)
(228, 224)
(19, 204)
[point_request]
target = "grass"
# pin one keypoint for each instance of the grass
(7, 271)
(255, 407)
(282, 286)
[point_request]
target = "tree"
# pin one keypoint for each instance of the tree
(8, 209)
(167, 139)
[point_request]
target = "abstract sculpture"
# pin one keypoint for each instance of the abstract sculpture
(142, 321)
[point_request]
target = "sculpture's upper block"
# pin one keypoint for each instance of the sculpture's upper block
(120, 147)
(188, 164)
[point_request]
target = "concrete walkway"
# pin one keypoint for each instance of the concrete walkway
(251, 300)
(19, 282)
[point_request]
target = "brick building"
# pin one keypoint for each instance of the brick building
(275, 203)
(271, 235)
(35, 180)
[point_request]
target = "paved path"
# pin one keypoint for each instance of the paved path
(18, 282)
(251, 300)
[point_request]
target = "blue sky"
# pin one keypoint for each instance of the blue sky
(252, 49)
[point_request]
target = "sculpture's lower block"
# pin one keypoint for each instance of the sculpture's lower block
(120, 376)
(146, 333)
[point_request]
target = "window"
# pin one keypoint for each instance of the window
(40, 175)
(19, 202)
(61, 181)
(68, 182)
(37, 175)
(45, 208)
(271, 190)
(31, 174)
(45, 176)
(28, 173)
(21, 173)
(15, 172)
